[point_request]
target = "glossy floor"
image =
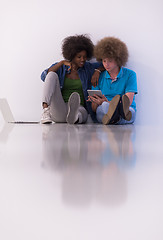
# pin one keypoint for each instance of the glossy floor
(82, 182)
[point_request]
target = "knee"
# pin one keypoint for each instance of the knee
(52, 75)
(103, 108)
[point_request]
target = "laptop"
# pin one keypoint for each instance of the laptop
(7, 113)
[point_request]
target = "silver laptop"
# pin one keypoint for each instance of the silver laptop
(7, 113)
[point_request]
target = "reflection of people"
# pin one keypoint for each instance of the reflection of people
(66, 83)
(117, 156)
(117, 83)
(91, 161)
(112, 190)
(119, 146)
(64, 145)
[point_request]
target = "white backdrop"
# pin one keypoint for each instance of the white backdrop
(31, 35)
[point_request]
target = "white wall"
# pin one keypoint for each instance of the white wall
(31, 35)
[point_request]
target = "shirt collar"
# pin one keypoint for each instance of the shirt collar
(120, 74)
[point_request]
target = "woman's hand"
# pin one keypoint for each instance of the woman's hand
(67, 63)
(95, 78)
(58, 65)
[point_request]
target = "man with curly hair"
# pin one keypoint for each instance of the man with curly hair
(117, 83)
(66, 83)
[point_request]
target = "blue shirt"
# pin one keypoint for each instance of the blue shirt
(85, 74)
(126, 82)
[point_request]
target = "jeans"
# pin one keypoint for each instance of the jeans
(103, 109)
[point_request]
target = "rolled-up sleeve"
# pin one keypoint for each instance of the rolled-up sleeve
(131, 85)
(43, 75)
(45, 72)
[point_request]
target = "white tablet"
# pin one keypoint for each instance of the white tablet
(92, 92)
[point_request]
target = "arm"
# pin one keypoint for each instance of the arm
(55, 67)
(96, 75)
(94, 106)
(131, 86)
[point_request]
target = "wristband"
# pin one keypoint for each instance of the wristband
(97, 70)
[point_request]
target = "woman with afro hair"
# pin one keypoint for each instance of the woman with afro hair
(66, 83)
(117, 83)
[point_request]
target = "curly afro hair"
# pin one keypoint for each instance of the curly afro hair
(113, 48)
(75, 44)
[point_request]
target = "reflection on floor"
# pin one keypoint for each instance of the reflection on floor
(88, 182)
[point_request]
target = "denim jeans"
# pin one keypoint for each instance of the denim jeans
(103, 109)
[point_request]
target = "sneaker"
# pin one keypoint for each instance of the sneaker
(124, 108)
(73, 106)
(46, 116)
(112, 115)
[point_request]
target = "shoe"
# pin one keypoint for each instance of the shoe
(124, 108)
(46, 116)
(112, 115)
(73, 106)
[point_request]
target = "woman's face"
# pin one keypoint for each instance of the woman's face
(110, 64)
(80, 58)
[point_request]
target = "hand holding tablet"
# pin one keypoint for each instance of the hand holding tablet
(97, 92)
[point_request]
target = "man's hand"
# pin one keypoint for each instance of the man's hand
(96, 101)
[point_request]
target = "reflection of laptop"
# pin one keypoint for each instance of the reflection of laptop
(7, 113)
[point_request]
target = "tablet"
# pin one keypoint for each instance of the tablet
(92, 92)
